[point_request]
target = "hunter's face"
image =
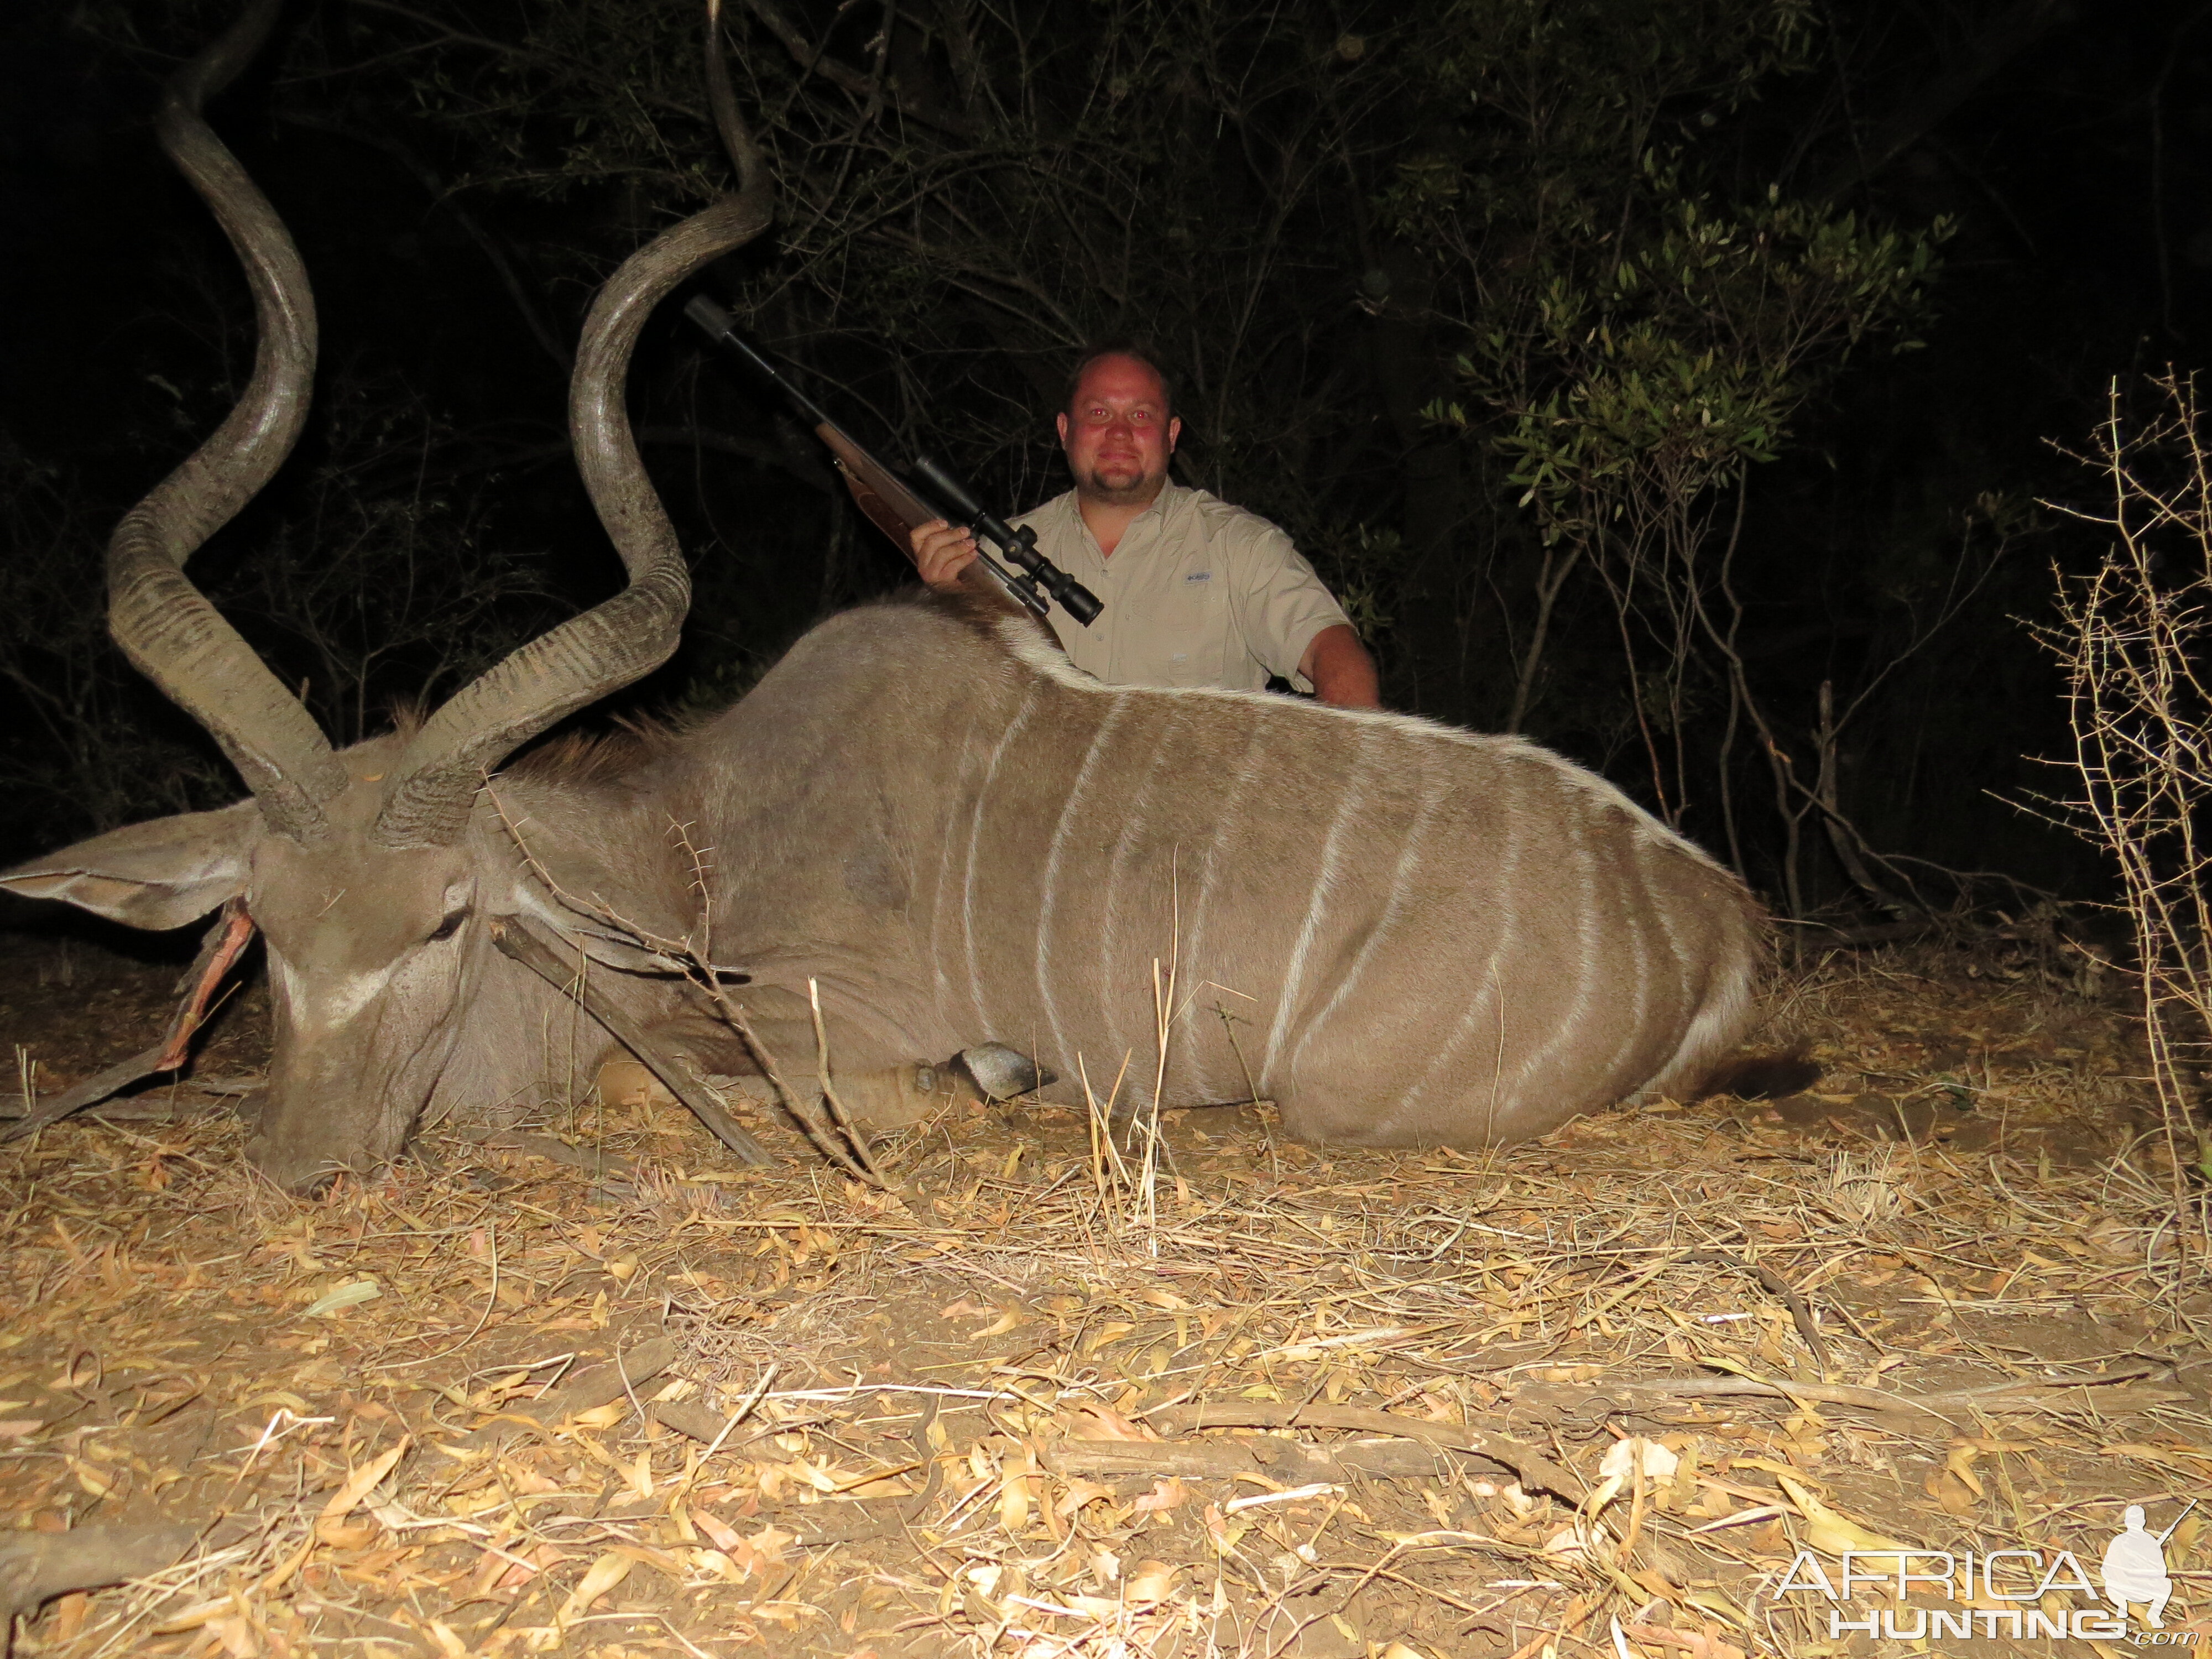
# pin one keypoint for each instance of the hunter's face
(1118, 434)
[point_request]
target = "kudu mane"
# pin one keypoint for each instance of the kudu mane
(633, 741)
(587, 758)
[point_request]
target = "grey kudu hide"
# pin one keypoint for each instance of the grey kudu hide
(1399, 932)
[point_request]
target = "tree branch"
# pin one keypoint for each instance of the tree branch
(816, 60)
(2006, 36)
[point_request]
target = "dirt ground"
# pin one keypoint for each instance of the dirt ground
(593, 1389)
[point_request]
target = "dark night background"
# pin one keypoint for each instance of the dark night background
(1339, 222)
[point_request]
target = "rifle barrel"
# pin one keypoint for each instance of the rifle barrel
(722, 328)
(893, 507)
(2177, 1520)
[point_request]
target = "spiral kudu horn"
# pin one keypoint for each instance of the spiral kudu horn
(623, 638)
(163, 623)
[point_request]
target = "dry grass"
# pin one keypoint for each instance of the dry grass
(1940, 1296)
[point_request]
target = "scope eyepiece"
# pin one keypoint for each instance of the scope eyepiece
(1078, 601)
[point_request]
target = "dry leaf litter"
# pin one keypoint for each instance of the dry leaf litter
(588, 1389)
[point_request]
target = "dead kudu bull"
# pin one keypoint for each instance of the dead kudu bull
(1401, 932)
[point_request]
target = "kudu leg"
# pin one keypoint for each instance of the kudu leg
(518, 939)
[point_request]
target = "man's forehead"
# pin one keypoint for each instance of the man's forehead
(1120, 379)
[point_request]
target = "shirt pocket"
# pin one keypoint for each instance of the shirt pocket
(1187, 629)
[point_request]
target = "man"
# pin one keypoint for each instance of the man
(1197, 593)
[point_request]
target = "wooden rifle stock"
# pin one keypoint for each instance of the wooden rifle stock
(887, 502)
(889, 505)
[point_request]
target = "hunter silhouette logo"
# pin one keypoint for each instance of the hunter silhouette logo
(2134, 1566)
(2018, 1593)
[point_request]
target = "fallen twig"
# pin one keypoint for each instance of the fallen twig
(593, 1386)
(2038, 1394)
(1292, 1461)
(1799, 1315)
(705, 1426)
(517, 937)
(220, 949)
(1534, 1469)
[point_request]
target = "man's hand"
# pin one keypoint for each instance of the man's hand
(941, 552)
(1341, 670)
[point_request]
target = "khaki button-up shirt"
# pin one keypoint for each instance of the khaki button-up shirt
(1197, 593)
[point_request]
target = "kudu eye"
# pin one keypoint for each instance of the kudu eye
(450, 926)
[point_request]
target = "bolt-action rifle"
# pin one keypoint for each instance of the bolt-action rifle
(895, 509)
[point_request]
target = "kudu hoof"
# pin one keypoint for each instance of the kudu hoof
(1000, 1072)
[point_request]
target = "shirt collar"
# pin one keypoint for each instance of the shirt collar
(1156, 515)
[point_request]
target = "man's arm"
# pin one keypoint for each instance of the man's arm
(1278, 601)
(1341, 670)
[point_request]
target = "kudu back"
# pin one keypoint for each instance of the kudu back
(1399, 932)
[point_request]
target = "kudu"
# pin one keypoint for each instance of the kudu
(1399, 932)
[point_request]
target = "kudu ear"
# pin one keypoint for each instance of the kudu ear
(157, 875)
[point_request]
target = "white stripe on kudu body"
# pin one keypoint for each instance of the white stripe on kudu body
(1485, 1007)
(1421, 934)
(1565, 1028)
(1228, 809)
(1116, 929)
(975, 840)
(952, 851)
(1370, 947)
(1068, 816)
(1348, 805)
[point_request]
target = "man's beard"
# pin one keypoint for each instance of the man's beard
(1139, 492)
